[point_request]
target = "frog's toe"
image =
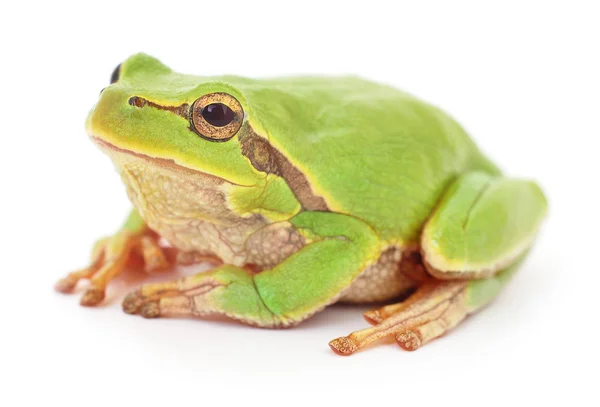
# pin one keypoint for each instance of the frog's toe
(66, 285)
(92, 296)
(430, 312)
(136, 303)
(133, 302)
(343, 346)
(150, 310)
(168, 298)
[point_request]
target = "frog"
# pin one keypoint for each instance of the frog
(303, 192)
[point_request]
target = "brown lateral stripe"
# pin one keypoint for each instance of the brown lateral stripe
(265, 158)
(181, 110)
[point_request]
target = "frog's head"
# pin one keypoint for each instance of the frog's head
(191, 123)
(186, 149)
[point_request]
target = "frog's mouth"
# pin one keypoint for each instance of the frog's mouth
(113, 152)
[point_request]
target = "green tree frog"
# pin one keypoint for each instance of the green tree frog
(303, 192)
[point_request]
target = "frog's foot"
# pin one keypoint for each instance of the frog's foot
(111, 255)
(434, 309)
(226, 290)
(169, 298)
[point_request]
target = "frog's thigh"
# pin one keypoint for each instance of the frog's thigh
(481, 225)
(339, 248)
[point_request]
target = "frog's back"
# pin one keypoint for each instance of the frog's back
(369, 150)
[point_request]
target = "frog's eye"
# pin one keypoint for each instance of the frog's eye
(216, 116)
(115, 74)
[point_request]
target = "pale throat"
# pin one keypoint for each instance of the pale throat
(187, 208)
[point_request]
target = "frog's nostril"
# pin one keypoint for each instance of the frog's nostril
(137, 101)
(102, 90)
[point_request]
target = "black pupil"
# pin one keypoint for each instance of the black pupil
(217, 114)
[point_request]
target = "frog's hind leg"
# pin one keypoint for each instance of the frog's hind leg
(472, 244)
(433, 305)
(434, 309)
(453, 308)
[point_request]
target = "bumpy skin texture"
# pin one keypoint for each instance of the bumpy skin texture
(332, 189)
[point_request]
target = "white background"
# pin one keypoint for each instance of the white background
(523, 77)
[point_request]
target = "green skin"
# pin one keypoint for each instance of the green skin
(393, 170)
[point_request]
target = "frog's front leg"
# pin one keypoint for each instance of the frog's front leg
(338, 248)
(472, 245)
(133, 246)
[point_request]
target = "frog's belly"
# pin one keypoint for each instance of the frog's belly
(188, 209)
